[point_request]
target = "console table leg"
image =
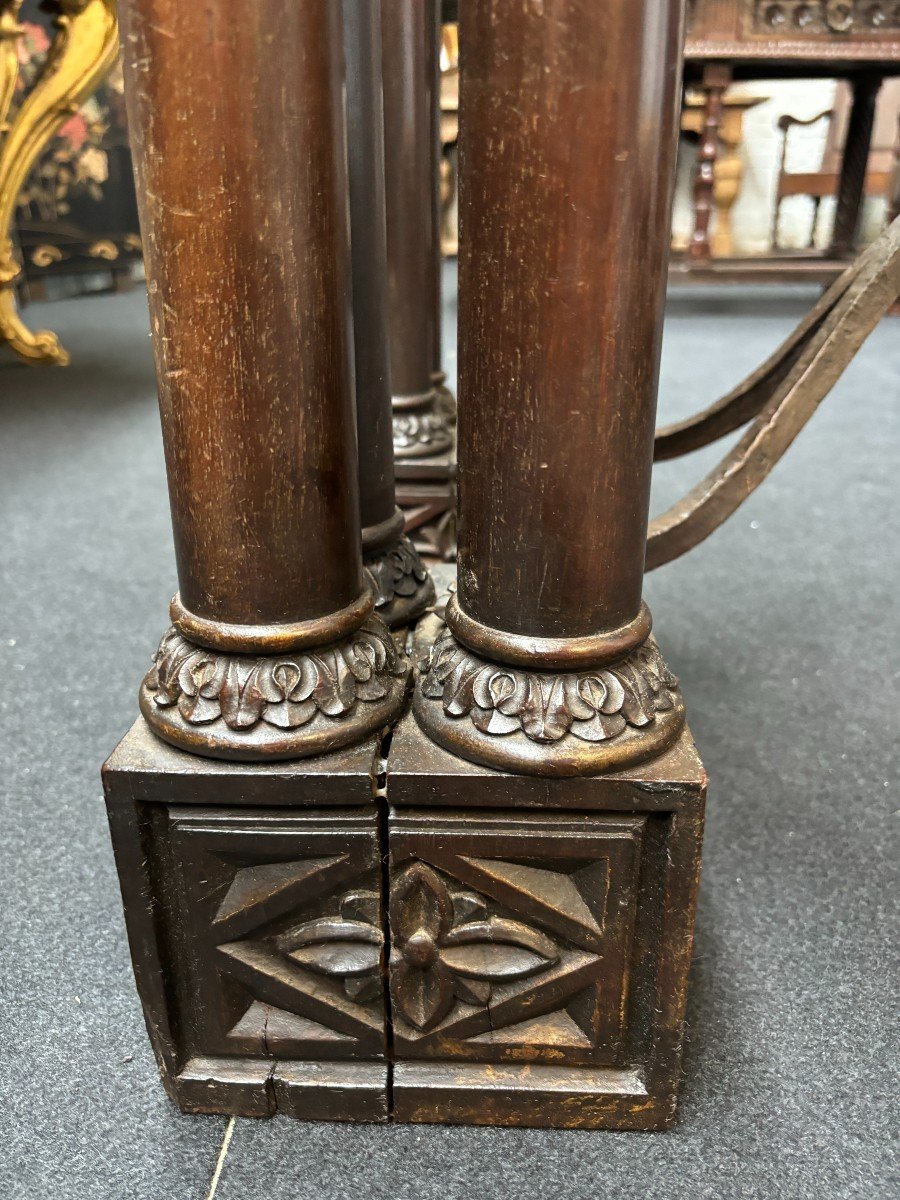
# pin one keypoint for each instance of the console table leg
(403, 586)
(854, 164)
(274, 651)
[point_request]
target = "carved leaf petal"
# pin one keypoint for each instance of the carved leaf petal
(287, 715)
(366, 906)
(423, 997)
(295, 679)
(500, 931)
(488, 720)
(615, 693)
(335, 688)
(364, 989)
(334, 947)
(421, 902)
(599, 728)
(544, 717)
(344, 959)
(468, 904)
(197, 710)
(584, 695)
(203, 675)
(364, 656)
(498, 949)
(171, 656)
(492, 688)
(371, 689)
(637, 704)
(458, 690)
(242, 700)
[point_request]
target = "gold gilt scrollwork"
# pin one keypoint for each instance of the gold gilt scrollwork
(83, 50)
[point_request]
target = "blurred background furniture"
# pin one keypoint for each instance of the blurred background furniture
(824, 182)
(49, 66)
(728, 170)
(731, 40)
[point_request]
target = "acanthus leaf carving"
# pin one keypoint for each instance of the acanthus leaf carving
(397, 571)
(593, 705)
(286, 691)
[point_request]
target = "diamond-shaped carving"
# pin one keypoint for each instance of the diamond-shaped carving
(284, 921)
(510, 936)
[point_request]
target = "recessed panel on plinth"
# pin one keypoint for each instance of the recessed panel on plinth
(540, 938)
(256, 929)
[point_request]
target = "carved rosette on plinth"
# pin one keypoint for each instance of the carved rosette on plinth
(541, 707)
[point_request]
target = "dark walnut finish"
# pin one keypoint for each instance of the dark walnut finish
(403, 586)
(424, 408)
(546, 666)
(386, 930)
(275, 651)
(540, 938)
(253, 904)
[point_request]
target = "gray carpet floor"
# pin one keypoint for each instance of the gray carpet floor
(784, 630)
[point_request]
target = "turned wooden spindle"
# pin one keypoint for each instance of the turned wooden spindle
(403, 586)
(716, 80)
(421, 424)
(244, 212)
(569, 116)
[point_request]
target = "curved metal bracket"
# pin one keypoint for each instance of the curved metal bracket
(782, 395)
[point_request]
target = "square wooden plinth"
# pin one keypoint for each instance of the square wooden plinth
(540, 938)
(253, 905)
(531, 971)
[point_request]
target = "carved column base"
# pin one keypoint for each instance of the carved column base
(403, 587)
(250, 707)
(583, 721)
(423, 425)
(446, 401)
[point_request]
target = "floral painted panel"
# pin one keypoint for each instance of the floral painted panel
(77, 212)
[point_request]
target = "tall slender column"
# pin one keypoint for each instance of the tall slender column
(421, 421)
(569, 116)
(274, 650)
(435, 258)
(403, 586)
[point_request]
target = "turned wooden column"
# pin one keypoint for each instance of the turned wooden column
(569, 117)
(274, 650)
(435, 260)
(716, 78)
(403, 586)
(854, 164)
(421, 424)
